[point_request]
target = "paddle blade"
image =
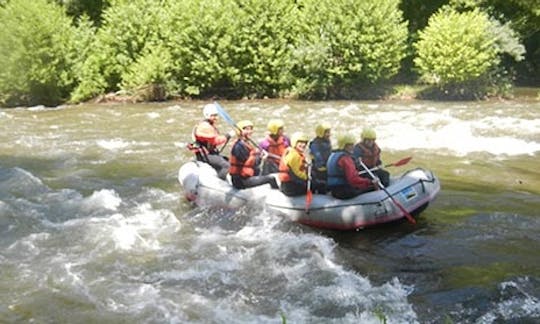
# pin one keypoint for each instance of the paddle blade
(223, 114)
(402, 161)
(309, 199)
(405, 212)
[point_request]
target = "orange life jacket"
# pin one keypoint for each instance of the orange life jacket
(243, 168)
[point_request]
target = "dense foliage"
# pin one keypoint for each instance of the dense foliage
(122, 46)
(522, 16)
(37, 53)
(73, 50)
(233, 48)
(348, 45)
(460, 53)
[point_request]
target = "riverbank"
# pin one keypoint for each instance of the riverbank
(414, 92)
(393, 92)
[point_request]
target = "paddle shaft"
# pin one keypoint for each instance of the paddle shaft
(231, 122)
(403, 210)
(309, 194)
(398, 163)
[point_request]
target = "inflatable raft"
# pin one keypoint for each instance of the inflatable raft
(413, 190)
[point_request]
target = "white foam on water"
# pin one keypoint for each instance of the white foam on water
(5, 115)
(37, 108)
(105, 198)
(112, 144)
(153, 115)
(144, 228)
(520, 304)
(302, 267)
(445, 130)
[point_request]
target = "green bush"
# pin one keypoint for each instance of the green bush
(232, 48)
(262, 47)
(91, 9)
(148, 77)
(128, 28)
(198, 35)
(348, 45)
(37, 53)
(460, 54)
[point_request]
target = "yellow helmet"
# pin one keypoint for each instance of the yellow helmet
(344, 140)
(321, 128)
(368, 133)
(298, 137)
(242, 124)
(274, 125)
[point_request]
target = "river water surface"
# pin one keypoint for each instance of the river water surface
(94, 227)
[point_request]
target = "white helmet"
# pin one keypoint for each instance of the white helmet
(209, 110)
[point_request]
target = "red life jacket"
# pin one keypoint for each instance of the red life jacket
(370, 155)
(243, 168)
(207, 135)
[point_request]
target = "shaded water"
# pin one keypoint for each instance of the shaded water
(93, 226)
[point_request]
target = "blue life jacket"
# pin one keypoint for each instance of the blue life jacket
(320, 148)
(336, 176)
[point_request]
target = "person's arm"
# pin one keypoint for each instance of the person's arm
(351, 174)
(205, 132)
(264, 144)
(286, 141)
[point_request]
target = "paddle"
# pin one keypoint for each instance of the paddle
(309, 194)
(395, 164)
(400, 162)
(221, 111)
(403, 210)
(225, 144)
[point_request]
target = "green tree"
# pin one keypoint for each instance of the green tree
(416, 13)
(523, 18)
(348, 45)
(262, 46)
(129, 28)
(459, 53)
(36, 53)
(199, 37)
(232, 48)
(91, 8)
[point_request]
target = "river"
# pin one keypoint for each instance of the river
(94, 227)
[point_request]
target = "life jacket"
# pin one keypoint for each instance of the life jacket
(245, 168)
(320, 148)
(276, 147)
(201, 153)
(336, 175)
(207, 135)
(370, 155)
(286, 174)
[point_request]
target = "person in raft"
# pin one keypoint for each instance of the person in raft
(275, 143)
(370, 154)
(245, 160)
(207, 138)
(293, 167)
(343, 179)
(320, 149)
